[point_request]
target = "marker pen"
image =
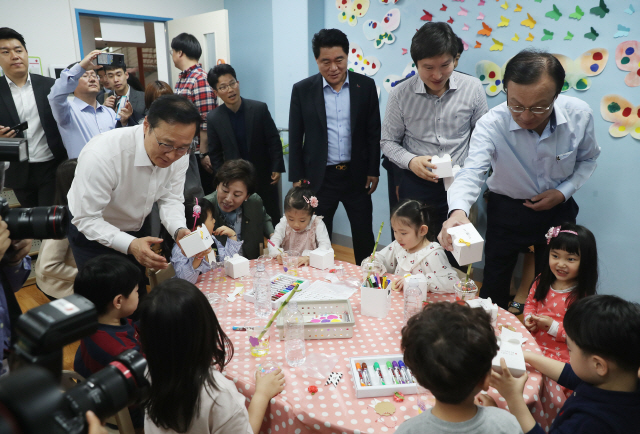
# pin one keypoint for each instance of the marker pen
(239, 328)
(360, 374)
(376, 367)
(403, 370)
(397, 370)
(365, 371)
(393, 374)
(410, 374)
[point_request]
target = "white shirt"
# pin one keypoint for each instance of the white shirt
(25, 101)
(116, 185)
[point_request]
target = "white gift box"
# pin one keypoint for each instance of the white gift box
(443, 164)
(236, 266)
(488, 306)
(511, 351)
(467, 244)
(321, 259)
(448, 181)
(196, 242)
(421, 280)
(375, 301)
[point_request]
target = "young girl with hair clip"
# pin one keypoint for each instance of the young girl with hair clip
(202, 212)
(414, 249)
(571, 274)
(186, 351)
(299, 229)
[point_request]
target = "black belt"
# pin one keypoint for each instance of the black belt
(341, 166)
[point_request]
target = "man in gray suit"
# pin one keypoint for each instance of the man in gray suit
(117, 76)
(243, 128)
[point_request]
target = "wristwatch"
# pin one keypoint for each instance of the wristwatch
(176, 232)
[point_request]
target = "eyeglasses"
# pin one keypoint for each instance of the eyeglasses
(168, 148)
(534, 110)
(225, 87)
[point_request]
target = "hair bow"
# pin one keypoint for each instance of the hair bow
(555, 231)
(313, 201)
(304, 181)
(197, 210)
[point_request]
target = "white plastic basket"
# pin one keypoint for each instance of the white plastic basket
(331, 330)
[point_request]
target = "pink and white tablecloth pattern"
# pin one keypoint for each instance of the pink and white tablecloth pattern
(333, 409)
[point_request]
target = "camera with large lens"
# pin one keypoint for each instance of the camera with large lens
(41, 223)
(30, 399)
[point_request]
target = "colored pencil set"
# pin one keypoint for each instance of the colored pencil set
(376, 281)
(397, 371)
(281, 287)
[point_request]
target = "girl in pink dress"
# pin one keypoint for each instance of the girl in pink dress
(571, 275)
(299, 229)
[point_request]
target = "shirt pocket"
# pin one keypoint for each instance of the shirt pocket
(563, 165)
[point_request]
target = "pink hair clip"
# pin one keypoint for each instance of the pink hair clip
(197, 210)
(313, 201)
(555, 231)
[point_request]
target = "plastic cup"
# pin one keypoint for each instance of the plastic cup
(258, 347)
(290, 262)
(217, 268)
(215, 301)
(466, 290)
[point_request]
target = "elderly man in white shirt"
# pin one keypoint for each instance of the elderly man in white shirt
(121, 173)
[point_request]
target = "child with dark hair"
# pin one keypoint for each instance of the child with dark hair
(414, 249)
(449, 348)
(604, 348)
(186, 350)
(300, 229)
(202, 212)
(571, 274)
(110, 282)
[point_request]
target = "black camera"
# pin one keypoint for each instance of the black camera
(30, 400)
(41, 223)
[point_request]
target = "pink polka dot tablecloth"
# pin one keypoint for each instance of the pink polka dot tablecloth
(336, 409)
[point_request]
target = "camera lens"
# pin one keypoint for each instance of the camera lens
(39, 223)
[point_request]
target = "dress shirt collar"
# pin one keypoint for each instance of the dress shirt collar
(82, 106)
(421, 87)
(12, 84)
(556, 118)
(325, 83)
(189, 70)
(240, 109)
(141, 157)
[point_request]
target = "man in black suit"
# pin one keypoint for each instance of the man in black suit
(118, 76)
(243, 128)
(23, 97)
(334, 138)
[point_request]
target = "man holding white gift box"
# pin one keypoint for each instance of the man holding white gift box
(542, 149)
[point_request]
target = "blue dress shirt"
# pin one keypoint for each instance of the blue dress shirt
(78, 122)
(524, 163)
(183, 266)
(15, 276)
(338, 108)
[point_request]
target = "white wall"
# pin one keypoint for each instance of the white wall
(49, 26)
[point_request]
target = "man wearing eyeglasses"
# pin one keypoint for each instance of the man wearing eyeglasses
(243, 128)
(120, 175)
(542, 148)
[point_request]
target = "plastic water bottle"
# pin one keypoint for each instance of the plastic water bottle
(294, 347)
(412, 300)
(262, 292)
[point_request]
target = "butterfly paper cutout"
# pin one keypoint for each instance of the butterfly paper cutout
(530, 37)
(622, 31)
(444, 7)
(554, 14)
(628, 59)
(465, 27)
(497, 45)
(630, 10)
(504, 21)
(463, 12)
(486, 30)
(388, 2)
(593, 35)
(569, 36)
(427, 16)
(623, 114)
(450, 20)
(392, 80)
(478, 45)
(518, 8)
(350, 10)
(600, 10)
(480, 16)
(505, 6)
(481, 3)
(491, 74)
(516, 38)
(578, 71)
(380, 32)
(529, 22)
(358, 63)
(548, 35)
(578, 14)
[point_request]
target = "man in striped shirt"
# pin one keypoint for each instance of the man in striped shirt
(431, 114)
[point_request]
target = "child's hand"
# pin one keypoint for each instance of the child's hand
(509, 386)
(303, 260)
(484, 400)
(270, 384)
(224, 230)
(279, 258)
(204, 254)
(398, 284)
(543, 322)
(531, 325)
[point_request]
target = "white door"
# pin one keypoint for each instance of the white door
(211, 30)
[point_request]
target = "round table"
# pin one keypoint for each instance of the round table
(334, 409)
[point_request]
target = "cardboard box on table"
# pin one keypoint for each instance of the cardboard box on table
(236, 266)
(511, 351)
(467, 244)
(443, 164)
(321, 258)
(196, 242)
(490, 307)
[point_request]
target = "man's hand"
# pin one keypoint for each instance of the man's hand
(297, 184)
(457, 218)
(372, 183)
(7, 132)
(206, 164)
(140, 248)
(125, 113)
(543, 322)
(5, 241)
(87, 63)
(275, 177)
(419, 166)
(545, 200)
(110, 102)
(95, 426)
(17, 252)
